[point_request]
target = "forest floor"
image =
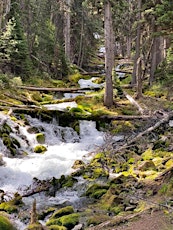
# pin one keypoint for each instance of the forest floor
(148, 221)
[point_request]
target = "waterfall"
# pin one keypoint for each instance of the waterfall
(63, 145)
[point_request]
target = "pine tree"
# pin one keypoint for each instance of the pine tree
(13, 46)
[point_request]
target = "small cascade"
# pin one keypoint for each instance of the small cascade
(63, 144)
(121, 75)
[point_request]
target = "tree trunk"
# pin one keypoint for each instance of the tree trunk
(109, 55)
(4, 10)
(158, 51)
(67, 27)
(139, 78)
(138, 38)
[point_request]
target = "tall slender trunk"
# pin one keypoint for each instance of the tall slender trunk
(109, 55)
(138, 38)
(4, 10)
(139, 78)
(158, 51)
(80, 56)
(1, 13)
(67, 27)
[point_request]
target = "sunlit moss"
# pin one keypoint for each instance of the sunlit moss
(5, 223)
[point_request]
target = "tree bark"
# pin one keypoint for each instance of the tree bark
(56, 89)
(138, 38)
(67, 27)
(109, 55)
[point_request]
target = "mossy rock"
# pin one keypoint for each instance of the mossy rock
(117, 209)
(56, 227)
(46, 212)
(6, 129)
(78, 164)
(32, 130)
(109, 199)
(40, 149)
(96, 191)
(5, 223)
(69, 181)
(13, 205)
(40, 138)
(9, 208)
(68, 221)
(36, 226)
(63, 211)
(11, 143)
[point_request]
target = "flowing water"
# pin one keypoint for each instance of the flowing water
(63, 145)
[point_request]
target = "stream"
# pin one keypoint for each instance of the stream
(64, 146)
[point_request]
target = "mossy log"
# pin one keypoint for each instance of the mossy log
(57, 89)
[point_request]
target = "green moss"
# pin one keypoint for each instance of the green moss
(12, 205)
(63, 211)
(147, 155)
(40, 138)
(56, 227)
(36, 226)
(5, 223)
(46, 212)
(7, 207)
(169, 163)
(97, 219)
(96, 190)
(69, 181)
(117, 209)
(75, 77)
(40, 149)
(11, 143)
(36, 96)
(47, 97)
(69, 221)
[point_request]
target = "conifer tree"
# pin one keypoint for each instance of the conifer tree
(13, 45)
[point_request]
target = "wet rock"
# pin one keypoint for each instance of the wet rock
(78, 164)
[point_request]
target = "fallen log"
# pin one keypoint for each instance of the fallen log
(31, 88)
(166, 117)
(134, 102)
(126, 117)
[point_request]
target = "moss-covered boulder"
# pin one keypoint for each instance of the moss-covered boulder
(36, 226)
(56, 227)
(40, 149)
(96, 191)
(40, 138)
(68, 221)
(11, 143)
(78, 164)
(63, 211)
(5, 223)
(13, 205)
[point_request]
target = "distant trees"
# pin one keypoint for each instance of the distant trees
(14, 55)
(48, 35)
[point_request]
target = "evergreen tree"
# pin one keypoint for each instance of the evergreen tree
(13, 46)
